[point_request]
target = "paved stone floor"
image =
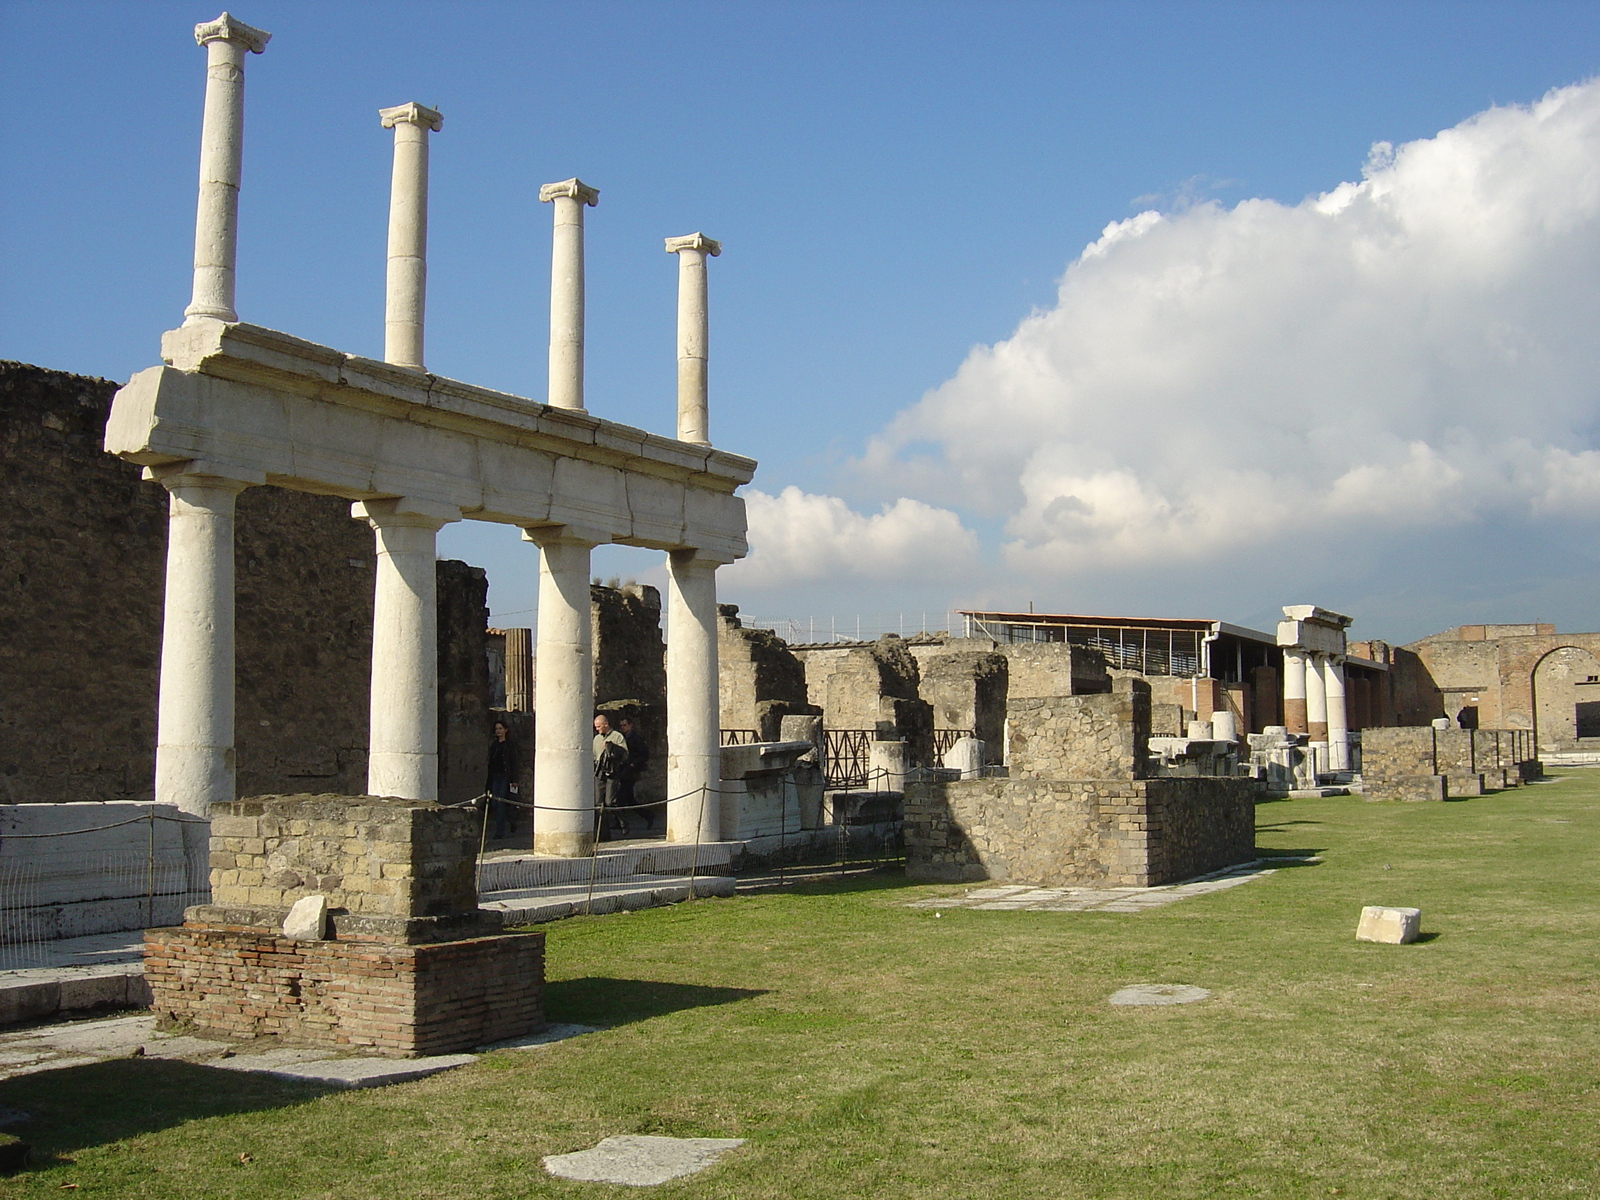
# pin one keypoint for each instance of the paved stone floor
(640, 1160)
(1022, 897)
(77, 1043)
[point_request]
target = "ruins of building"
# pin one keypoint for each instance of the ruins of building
(85, 545)
(236, 406)
(1524, 677)
(760, 680)
(1431, 763)
(1079, 805)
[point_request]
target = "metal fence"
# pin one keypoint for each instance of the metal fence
(847, 757)
(944, 740)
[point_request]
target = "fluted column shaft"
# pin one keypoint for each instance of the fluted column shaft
(694, 756)
(195, 765)
(216, 225)
(693, 335)
(403, 728)
(563, 762)
(570, 198)
(405, 294)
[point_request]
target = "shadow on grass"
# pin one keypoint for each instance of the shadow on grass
(831, 881)
(91, 1105)
(1280, 858)
(600, 1000)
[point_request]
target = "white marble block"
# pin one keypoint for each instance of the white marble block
(1393, 925)
(307, 920)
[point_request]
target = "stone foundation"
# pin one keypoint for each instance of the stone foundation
(406, 1001)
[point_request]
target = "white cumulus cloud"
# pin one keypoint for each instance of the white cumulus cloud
(1415, 350)
(797, 538)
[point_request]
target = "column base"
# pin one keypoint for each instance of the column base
(564, 844)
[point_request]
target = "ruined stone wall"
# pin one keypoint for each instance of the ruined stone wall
(464, 699)
(760, 680)
(1039, 669)
(1060, 833)
(85, 562)
(1416, 700)
(871, 687)
(968, 690)
(1080, 737)
(630, 671)
(1522, 679)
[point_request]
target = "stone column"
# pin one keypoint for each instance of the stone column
(403, 730)
(194, 716)
(693, 417)
(519, 670)
(694, 758)
(566, 290)
(1316, 697)
(405, 297)
(1294, 690)
(563, 761)
(1338, 722)
(216, 223)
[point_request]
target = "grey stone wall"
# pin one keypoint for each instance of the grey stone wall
(760, 680)
(1058, 833)
(630, 671)
(968, 690)
(871, 687)
(1103, 736)
(464, 699)
(1054, 669)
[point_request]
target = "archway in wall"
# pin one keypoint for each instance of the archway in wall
(1566, 698)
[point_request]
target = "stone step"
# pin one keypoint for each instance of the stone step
(531, 906)
(615, 861)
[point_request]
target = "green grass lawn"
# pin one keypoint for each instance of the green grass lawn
(868, 1049)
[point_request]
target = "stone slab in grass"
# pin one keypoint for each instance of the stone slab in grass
(547, 1035)
(362, 1072)
(1393, 926)
(1158, 993)
(640, 1160)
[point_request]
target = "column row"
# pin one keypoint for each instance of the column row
(1314, 703)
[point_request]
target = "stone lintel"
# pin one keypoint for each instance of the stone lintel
(411, 113)
(228, 28)
(694, 241)
(574, 189)
(1315, 615)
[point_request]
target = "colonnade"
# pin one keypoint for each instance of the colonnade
(195, 739)
(1314, 703)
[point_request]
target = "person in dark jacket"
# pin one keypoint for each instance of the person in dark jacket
(610, 763)
(502, 782)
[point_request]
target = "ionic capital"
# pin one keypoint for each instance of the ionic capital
(411, 114)
(583, 537)
(226, 29)
(405, 510)
(573, 189)
(694, 241)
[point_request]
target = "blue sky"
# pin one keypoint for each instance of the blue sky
(895, 185)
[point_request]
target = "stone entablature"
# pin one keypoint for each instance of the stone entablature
(243, 402)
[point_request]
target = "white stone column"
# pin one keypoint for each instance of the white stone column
(1316, 697)
(216, 223)
(405, 296)
(694, 758)
(1338, 720)
(1294, 690)
(693, 333)
(563, 760)
(566, 289)
(403, 728)
(194, 715)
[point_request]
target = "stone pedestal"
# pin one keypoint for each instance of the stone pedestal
(411, 966)
(759, 796)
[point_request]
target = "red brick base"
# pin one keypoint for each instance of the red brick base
(403, 1001)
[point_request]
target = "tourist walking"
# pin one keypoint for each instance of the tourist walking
(610, 762)
(638, 758)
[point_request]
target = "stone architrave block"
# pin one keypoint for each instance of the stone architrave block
(1394, 926)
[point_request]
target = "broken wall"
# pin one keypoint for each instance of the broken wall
(760, 679)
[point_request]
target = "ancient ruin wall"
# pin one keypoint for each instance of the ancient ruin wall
(871, 687)
(968, 690)
(1081, 737)
(464, 700)
(760, 680)
(85, 552)
(1054, 669)
(630, 671)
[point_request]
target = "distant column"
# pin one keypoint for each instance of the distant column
(1316, 698)
(403, 729)
(1294, 690)
(570, 197)
(519, 670)
(216, 223)
(694, 756)
(1338, 722)
(195, 765)
(693, 334)
(405, 297)
(563, 763)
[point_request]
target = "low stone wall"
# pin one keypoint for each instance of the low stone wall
(1403, 763)
(1128, 833)
(1104, 736)
(405, 1001)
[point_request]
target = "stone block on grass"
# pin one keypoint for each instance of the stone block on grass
(1395, 926)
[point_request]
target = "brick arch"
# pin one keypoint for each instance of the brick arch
(1533, 682)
